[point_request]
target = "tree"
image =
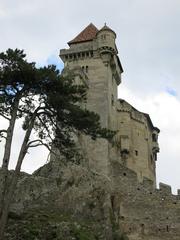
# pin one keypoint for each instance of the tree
(49, 106)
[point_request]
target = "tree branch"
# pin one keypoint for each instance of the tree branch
(39, 143)
(2, 115)
(45, 128)
(3, 131)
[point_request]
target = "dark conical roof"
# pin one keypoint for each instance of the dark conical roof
(88, 34)
(105, 27)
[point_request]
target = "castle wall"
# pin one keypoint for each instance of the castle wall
(145, 212)
(135, 141)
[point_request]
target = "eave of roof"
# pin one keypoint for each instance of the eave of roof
(88, 34)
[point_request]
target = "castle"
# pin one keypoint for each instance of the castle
(95, 54)
(142, 211)
(112, 194)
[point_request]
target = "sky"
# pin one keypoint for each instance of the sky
(148, 40)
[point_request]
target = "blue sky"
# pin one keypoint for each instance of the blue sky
(148, 40)
(171, 91)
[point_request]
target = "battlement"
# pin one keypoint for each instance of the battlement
(129, 183)
(146, 210)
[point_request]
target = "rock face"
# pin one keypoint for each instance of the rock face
(63, 202)
(73, 202)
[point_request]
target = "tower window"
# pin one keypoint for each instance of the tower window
(83, 68)
(151, 159)
(136, 152)
(86, 69)
(103, 37)
(154, 137)
(112, 100)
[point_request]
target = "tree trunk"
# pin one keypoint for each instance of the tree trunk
(11, 190)
(10, 130)
(7, 152)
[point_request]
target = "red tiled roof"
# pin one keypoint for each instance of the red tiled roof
(88, 34)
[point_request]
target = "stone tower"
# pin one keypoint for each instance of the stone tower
(93, 56)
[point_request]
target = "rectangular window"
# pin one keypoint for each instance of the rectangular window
(136, 152)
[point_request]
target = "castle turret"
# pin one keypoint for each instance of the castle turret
(106, 40)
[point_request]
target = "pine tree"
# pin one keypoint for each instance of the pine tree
(49, 105)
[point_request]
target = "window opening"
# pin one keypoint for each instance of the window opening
(154, 137)
(112, 100)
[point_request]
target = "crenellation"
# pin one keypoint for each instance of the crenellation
(178, 192)
(148, 184)
(165, 189)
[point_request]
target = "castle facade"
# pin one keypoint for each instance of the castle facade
(93, 56)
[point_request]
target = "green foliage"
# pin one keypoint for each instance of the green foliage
(53, 102)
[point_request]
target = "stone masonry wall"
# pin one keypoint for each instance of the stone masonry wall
(144, 212)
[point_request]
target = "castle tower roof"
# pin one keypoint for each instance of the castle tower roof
(88, 34)
(105, 27)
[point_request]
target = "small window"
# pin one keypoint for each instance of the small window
(83, 68)
(154, 137)
(136, 152)
(155, 156)
(86, 69)
(103, 37)
(112, 100)
(151, 159)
